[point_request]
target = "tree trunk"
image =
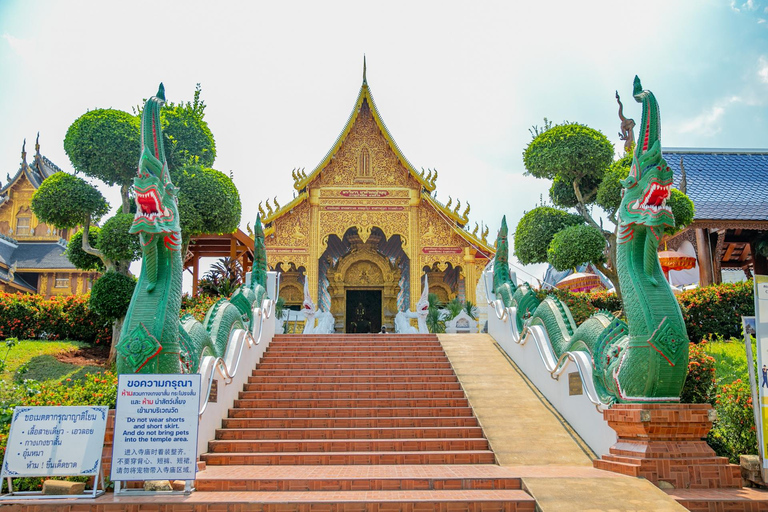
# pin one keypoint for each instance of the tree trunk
(124, 188)
(117, 326)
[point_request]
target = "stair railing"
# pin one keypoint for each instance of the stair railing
(555, 365)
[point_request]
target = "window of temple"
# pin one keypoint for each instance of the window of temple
(62, 281)
(23, 226)
(364, 164)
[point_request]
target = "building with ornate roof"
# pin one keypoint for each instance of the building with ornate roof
(32, 256)
(365, 227)
(729, 190)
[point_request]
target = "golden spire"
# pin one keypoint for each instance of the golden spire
(365, 82)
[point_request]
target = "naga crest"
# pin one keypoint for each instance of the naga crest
(156, 209)
(646, 189)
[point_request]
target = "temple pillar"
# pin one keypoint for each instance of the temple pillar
(315, 238)
(705, 257)
(470, 275)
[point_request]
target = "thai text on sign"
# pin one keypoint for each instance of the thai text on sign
(156, 427)
(48, 441)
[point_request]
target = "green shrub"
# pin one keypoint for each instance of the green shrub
(26, 316)
(197, 306)
(700, 384)
(717, 309)
(111, 294)
(734, 432)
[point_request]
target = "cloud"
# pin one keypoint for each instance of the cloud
(706, 123)
(24, 48)
(749, 5)
(762, 70)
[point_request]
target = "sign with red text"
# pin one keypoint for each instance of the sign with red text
(156, 422)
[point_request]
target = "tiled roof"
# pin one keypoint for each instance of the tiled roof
(723, 184)
(41, 255)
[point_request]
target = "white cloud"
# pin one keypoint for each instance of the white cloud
(24, 48)
(762, 70)
(706, 123)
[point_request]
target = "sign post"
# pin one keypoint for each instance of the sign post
(156, 421)
(55, 441)
(761, 337)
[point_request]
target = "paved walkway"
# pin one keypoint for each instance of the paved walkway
(529, 436)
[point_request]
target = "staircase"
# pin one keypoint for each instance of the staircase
(358, 421)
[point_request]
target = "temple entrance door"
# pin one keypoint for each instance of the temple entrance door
(363, 311)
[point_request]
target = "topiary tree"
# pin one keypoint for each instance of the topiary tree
(579, 161)
(110, 297)
(116, 244)
(188, 137)
(208, 202)
(78, 256)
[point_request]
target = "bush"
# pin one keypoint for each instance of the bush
(111, 294)
(64, 317)
(700, 385)
(717, 310)
(734, 432)
(197, 306)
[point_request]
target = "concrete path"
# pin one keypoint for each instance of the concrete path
(527, 434)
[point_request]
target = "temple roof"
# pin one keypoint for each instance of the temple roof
(36, 172)
(724, 184)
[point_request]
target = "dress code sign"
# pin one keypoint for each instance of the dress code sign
(48, 441)
(156, 427)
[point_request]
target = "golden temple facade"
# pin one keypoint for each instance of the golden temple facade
(365, 227)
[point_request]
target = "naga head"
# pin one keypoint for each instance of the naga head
(502, 244)
(422, 307)
(308, 307)
(259, 270)
(156, 209)
(646, 189)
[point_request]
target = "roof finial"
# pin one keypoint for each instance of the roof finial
(365, 82)
(37, 144)
(24, 152)
(683, 187)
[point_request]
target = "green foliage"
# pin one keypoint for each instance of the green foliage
(609, 191)
(197, 306)
(734, 432)
(571, 150)
(188, 137)
(579, 304)
(223, 278)
(730, 357)
(435, 321)
(576, 245)
(562, 194)
(471, 309)
(716, 309)
(9, 344)
(66, 201)
(105, 144)
(454, 307)
(208, 201)
(111, 295)
(700, 384)
(78, 257)
(47, 367)
(536, 229)
(682, 208)
(114, 240)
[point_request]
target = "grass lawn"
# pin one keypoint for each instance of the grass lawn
(45, 360)
(730, 359)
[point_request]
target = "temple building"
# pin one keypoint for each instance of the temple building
(32, 258)
(365, 227)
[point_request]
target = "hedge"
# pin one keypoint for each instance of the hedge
(712, 311)
(65, 317)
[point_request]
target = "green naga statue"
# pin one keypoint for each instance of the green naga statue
(153, 338)
(646, 358)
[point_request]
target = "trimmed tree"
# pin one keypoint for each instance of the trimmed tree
(579, 161)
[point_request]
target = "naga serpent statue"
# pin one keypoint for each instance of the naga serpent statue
(644, 359)
(153, 338)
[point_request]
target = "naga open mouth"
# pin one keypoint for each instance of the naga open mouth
(655, 198)
(149, 205)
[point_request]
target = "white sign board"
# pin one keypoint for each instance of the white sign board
(156, 427)
(761, 338)
(55, 441)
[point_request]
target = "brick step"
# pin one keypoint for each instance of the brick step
(352, 345)
(350, 458)
(322, 366)
(344, 371)
(353, 403)
(362, 386)
(357, 359)
(354, 478)
(340, 394)
(364, 422)
(361, 412)
(346, 338)
(345, 445)
(645, 462)
(349, 433)
(355, 379)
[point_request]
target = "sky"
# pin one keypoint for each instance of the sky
(459, 84)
